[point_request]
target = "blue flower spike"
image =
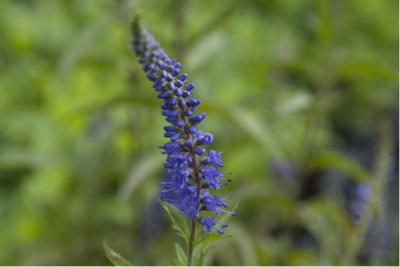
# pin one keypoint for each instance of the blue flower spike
(191, 171)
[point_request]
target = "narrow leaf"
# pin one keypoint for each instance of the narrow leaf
(179, 222)
(199, 253)
(138, 173)
(115, 258)
(208, 238)
(181, 258)
(332, 159)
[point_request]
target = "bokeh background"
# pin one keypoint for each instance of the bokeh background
(301, 96)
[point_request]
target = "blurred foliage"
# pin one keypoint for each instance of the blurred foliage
(296, 92)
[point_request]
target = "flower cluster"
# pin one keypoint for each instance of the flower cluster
(191, 172)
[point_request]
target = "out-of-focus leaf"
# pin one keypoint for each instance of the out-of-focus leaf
(328, 223)
(341, 162)
(301, 257)
(114, 257)
(255, 128)
(86, 37)
(379, 175)
(16, 157)
(247, 121)
(101, 105)
(367, 69)
(213, 24)
(295, 103)
(142, 169)
(206, 49)
(244, 243)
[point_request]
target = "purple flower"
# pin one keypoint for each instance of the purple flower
(213, 203)
(188, 178)
(206, 139)
(214, 158)
(208, 223)
(212, 177)
(195, 119)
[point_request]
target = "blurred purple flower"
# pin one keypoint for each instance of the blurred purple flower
(360, 197)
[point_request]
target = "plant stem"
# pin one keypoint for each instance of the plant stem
(197, 180)
(191, 242)
(193, 225)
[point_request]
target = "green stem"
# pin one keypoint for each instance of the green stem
(193, 225)
(191, 243)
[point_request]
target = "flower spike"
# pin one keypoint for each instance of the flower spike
(191, 172)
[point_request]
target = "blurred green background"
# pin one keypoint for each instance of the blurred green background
(301, 96)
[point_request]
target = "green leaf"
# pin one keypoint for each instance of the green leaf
(255, 128)
(115, 258)
(139, 172)
(198, 254)
(181, 259)
(340, 162)
(208, 238)
(301, 257)
(202, 245)
(211, 237)
(179, 222)
(322, 216)
(295, 103)
(245, 244)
